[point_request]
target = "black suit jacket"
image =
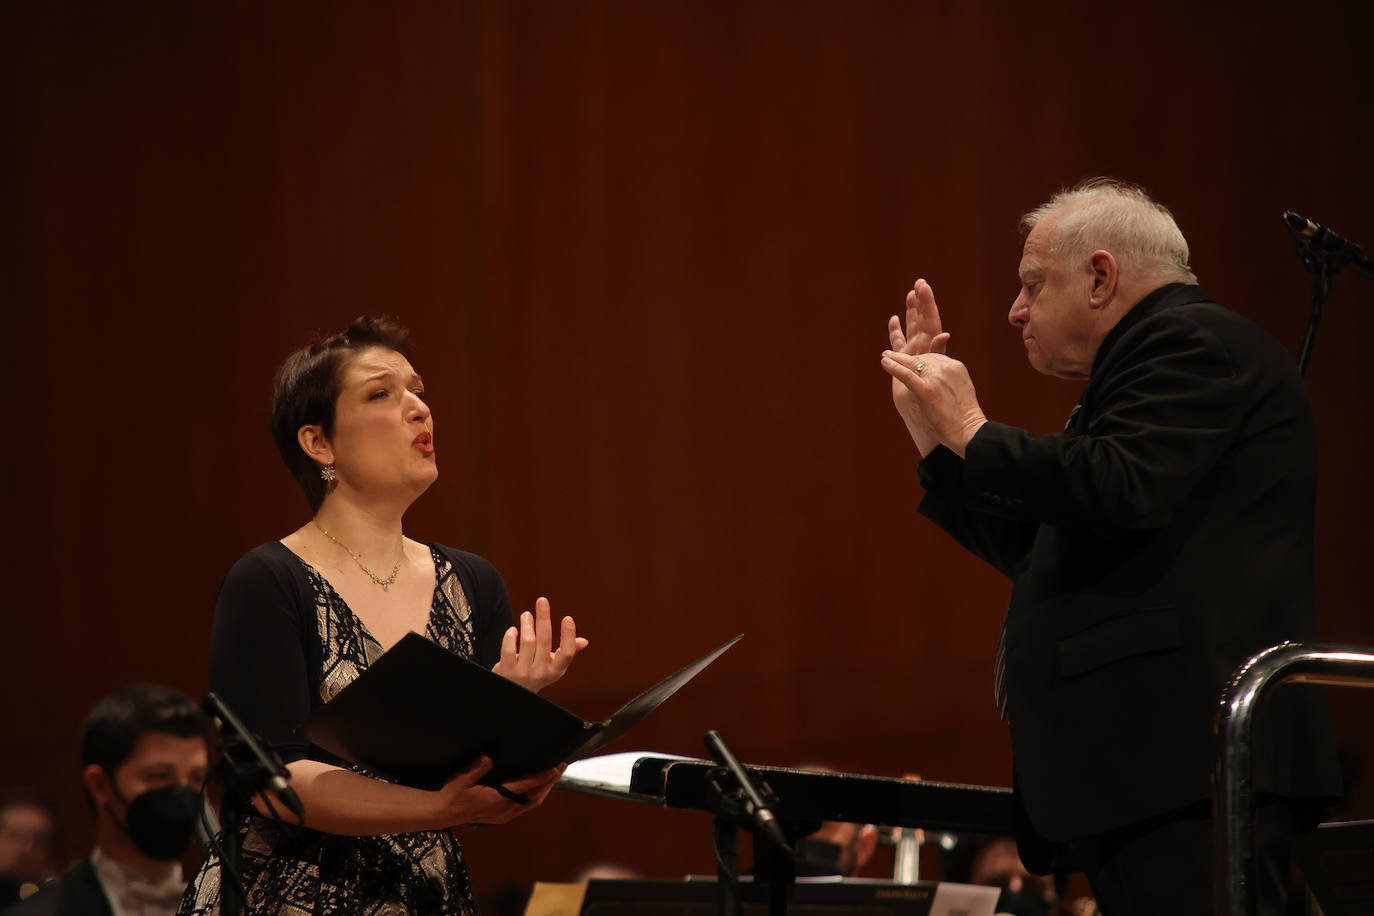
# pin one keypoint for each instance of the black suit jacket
(77, 893)
(1158, 542)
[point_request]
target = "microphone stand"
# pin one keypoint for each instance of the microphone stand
(733, 796)
(727, 811)
(1321, 289)
(262, 772)
(1324, 254)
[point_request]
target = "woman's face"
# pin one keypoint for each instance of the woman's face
(383, 440)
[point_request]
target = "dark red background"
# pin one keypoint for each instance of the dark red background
(648, 251)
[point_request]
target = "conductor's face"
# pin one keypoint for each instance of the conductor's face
(1052, 310)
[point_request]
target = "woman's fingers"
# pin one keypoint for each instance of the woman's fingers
(543, 628)
(528, 654)
(536, 781)
(472, 803)
(471, 774)
(546, 782)
(568, 645)
(538, 795)
(497, 808)
(527, 641)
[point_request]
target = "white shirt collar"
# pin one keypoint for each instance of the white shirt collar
(131, 894)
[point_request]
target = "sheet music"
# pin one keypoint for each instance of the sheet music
(608, 771)
(968, 899)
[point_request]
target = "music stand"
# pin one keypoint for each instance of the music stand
(1338, 861)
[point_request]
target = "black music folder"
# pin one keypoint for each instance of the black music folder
(420, 713)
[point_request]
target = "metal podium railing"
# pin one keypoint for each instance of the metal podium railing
(1233, 798)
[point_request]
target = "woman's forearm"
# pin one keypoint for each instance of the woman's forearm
(341, 801)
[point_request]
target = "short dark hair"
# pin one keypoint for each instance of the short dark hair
(120, 719)
(306, 391)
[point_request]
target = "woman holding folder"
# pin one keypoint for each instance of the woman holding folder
(299, 618)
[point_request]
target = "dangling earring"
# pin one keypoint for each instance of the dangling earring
(327, 472)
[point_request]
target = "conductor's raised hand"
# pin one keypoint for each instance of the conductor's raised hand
(528, 655)
(944, 390)
(463, 801)
(923, 332)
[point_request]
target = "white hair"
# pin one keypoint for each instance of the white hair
(1103, 213)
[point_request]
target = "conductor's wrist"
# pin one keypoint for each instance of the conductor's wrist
(960, 441)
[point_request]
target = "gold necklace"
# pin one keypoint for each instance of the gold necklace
(384, 583)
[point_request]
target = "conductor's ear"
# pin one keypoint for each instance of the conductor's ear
(1105, 278)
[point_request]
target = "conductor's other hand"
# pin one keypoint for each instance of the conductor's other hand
(923, 334)
(462, 801)
(528, 656)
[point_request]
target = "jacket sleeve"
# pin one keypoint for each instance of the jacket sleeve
(1003, 542)
(1167, 411)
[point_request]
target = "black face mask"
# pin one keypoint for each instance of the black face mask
(161, 822)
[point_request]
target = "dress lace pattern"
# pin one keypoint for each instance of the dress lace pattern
(294, 871)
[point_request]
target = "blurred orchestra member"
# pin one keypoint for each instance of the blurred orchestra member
(144, 757)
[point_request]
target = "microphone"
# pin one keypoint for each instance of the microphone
(1321, 243)
(754, 804)
(269, 763)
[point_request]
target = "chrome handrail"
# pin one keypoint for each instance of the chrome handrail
(1233, 800)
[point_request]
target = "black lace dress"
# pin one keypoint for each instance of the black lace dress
(284, 643)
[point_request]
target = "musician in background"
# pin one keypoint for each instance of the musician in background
(837, 848)
(991, 861)
(28, 844)
(1156, 543)
(143, 758)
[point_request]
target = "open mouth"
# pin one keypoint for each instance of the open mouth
(425, 443)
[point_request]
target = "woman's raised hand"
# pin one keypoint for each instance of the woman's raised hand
(528, 656)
